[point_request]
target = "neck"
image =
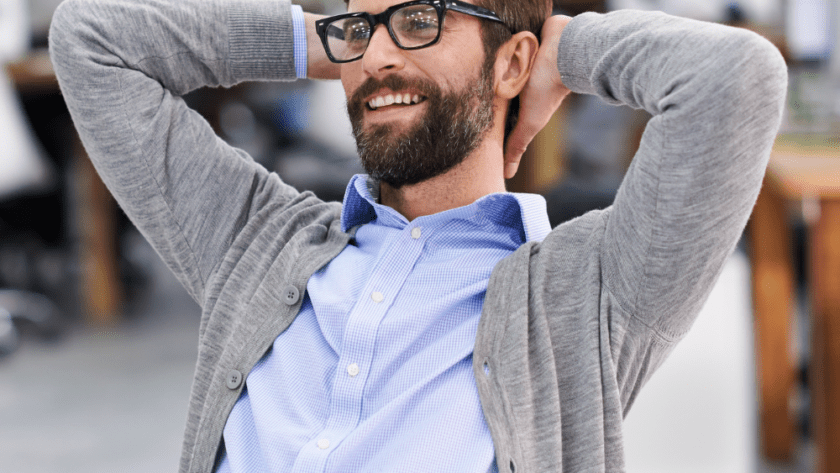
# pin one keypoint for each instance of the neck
(481, 173)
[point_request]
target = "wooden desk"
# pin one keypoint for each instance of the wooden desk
(94, 227)
(34, 74)
(802, 169)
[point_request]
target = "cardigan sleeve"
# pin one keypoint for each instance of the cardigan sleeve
(716, 95)
(123, 66)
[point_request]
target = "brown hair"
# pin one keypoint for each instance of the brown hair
(518, 15)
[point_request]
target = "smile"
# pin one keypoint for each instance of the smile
(392, 99)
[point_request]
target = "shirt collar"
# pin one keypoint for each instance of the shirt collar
(526, 212)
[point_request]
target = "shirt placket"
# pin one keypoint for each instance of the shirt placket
(359, 341)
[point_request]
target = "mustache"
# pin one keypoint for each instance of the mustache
(395, 83)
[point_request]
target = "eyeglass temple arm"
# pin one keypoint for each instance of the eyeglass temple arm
(335, 32)
(473, 10)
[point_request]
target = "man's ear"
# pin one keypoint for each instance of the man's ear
(514, 61)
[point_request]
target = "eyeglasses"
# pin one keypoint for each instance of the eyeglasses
(412, 25)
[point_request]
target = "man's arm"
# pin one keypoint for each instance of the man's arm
(122, 67)
(716, 95)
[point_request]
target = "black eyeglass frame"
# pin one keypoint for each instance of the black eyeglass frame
(384, 18)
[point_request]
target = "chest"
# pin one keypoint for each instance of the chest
(404, 300)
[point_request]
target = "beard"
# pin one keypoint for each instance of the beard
(452, 127)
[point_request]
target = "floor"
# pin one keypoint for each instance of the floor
(698, 412)
(103, 401)
(116, 400)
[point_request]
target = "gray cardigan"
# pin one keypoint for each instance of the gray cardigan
(572, 327)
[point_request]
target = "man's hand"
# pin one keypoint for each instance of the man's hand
(541, 96)
(319, 65)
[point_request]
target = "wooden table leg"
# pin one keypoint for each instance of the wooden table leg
(101, 289)
(825, 358)
(773, 307)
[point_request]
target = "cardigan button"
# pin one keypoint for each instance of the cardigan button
(291, 295)
(234, 379)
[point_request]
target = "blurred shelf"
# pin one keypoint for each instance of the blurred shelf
(34, 73)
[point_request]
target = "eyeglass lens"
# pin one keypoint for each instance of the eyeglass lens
(413, 26)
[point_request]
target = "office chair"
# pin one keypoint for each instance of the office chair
(23, 173)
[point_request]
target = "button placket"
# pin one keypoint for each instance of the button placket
(360, 333)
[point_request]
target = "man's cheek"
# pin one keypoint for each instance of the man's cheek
(346, 74)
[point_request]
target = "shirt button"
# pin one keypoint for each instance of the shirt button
(290, 295)
(353, 370)
(377, 297)
(416, 233)
(234, 379)
(323, 444)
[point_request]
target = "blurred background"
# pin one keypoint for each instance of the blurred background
(98, 340)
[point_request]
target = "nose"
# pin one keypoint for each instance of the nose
(382, 56)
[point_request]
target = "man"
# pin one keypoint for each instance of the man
(432, 322)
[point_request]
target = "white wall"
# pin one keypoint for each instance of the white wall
(697, 413)
(760, 11)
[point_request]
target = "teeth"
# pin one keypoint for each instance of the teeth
(391, 99)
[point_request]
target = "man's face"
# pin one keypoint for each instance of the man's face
(450, 90)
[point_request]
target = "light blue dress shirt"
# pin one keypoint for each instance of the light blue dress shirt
(299, 41)
(375, 373)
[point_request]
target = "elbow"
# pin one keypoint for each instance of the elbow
(70, 25)
(62, 24)
(745, 83)
(761, 73)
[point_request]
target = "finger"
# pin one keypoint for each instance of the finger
(511, 169)
(516, 146)
(523, 133)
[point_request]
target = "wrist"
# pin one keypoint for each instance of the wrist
(318, 64)
(551, 34)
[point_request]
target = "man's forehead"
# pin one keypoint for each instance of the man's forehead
(377, 6)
